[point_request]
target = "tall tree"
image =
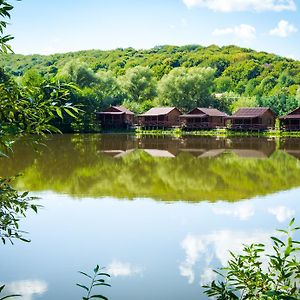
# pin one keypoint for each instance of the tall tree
(139, 84)
(186, 88)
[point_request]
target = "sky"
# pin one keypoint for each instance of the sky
(55, 26)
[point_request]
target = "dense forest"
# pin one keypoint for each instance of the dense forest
(222, 77)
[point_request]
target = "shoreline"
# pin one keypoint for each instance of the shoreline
(207, 133)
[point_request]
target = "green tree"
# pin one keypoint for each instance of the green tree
(139, 84)
(298, 96)
(223, 84)
(79, 73)
(244, 101)
(186, 88)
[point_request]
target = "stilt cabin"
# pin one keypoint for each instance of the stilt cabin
(203, 118)
(160, 117)
(116, 117)
(258, 118)
(291, 121)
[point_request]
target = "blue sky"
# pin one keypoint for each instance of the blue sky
(47, 27)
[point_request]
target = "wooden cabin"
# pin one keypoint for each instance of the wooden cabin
(160, 117)
(203, 118)
(116, 117)
(256, 118)
(291, 121)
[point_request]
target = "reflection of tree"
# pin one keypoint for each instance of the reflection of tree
(84, 166)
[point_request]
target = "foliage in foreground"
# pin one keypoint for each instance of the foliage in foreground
(13, 206)
(96, 280)
(249, 276)
(9, 296)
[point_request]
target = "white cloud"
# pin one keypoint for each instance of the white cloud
(283, 29)
(243, 5)
(282, 213)
(215, 246)
(27, 288)
(117, 268)
(243, 31)
(243, 212)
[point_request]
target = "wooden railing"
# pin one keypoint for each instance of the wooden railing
(291, 127)
(250, 127)
(157, 124)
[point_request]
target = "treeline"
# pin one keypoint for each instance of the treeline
(222, 77)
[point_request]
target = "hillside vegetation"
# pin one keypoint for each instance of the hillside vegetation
(223, 77)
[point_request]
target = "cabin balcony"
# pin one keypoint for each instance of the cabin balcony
(250, 127)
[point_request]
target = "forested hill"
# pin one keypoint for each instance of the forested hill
(223, 77)
(241, 64)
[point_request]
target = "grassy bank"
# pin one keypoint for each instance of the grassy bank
(217, 133)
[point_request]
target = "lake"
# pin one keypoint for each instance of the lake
(158, 212)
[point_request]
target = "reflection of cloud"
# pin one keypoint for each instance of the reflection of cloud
(243, 212)
(27, 288)
(215, 246)
(207, 276)
(117, 268)
(281, 213)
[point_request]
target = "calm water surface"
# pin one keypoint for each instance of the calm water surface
(158, 213)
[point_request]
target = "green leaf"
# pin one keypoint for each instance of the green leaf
(277, 240)
(59, 113)
(69, 112)
(99, 297)
(292, 222)
(85, 275)
(83, 286)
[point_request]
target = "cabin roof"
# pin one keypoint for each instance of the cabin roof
(211, 112)
(250, 112)
(123, 109)
(296, 116)
(111, 113)
(158, 111)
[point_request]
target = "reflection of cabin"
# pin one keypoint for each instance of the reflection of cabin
(291, 146)
(291, 121)
(203, 118)
(258, 118)
(212, 153)
(117, 153)
(159, 153)
(116, 117)
(160, 117)
(249, 153)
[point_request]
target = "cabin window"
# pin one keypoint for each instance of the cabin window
(160, 118)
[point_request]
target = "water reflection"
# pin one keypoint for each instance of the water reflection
(27, 288)
(189, 169)
(282, 213)
(123, 269)
(243, 211)
(213, 249)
